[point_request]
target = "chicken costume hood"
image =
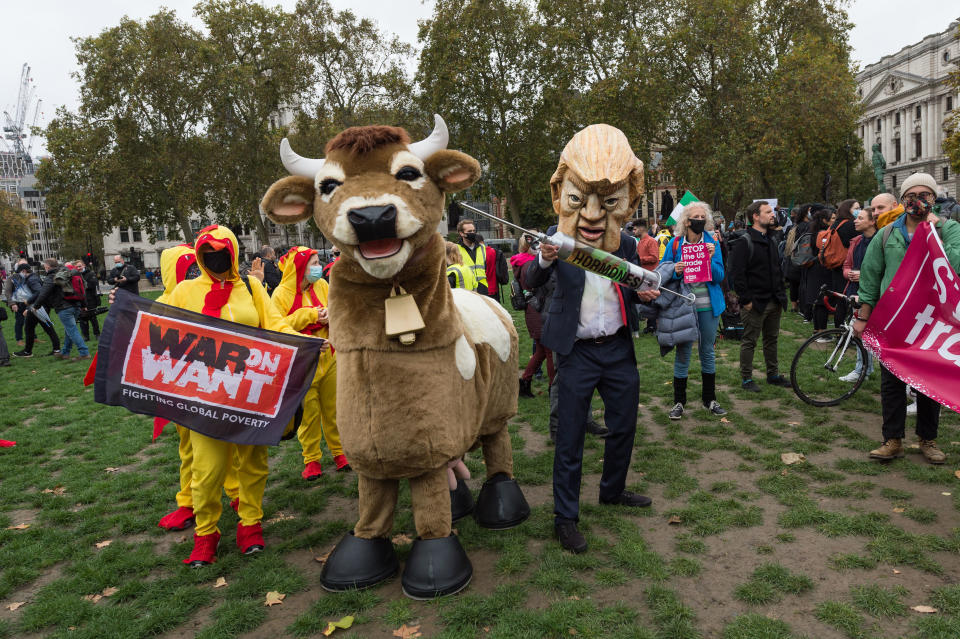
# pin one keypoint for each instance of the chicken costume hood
(177, 263)
(597, 186)
(405, 410)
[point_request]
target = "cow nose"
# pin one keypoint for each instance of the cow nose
(374, 222)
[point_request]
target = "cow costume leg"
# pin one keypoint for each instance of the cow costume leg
(500, 504)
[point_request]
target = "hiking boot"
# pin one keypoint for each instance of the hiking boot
(933, 454)
(715, 408)
(676, 412)
(780, 381)
(570, 538)
(750, 385)
(891, 449)
(525, 390)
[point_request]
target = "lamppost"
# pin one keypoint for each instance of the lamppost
(846, 160)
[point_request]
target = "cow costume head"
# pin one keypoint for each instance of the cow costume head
(378, 196)
(597, 186)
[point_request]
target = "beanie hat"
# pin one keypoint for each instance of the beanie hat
(23, 267)
(919, 179)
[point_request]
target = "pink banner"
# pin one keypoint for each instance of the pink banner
(915, 328)
(696, 262)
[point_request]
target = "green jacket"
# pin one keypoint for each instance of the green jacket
(881, 262)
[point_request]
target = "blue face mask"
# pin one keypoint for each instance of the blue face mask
(314, 273)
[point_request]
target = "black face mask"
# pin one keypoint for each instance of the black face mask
(470, 237)
(217, 261)
(696, 225)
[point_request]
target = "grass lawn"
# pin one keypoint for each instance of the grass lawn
(737, 545)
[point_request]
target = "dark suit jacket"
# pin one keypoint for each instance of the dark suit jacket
(562, 315)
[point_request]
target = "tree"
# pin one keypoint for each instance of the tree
(15, 224)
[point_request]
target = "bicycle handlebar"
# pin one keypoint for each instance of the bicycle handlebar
(853, 301)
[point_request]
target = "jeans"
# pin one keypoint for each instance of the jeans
(68, 317)
(859, 366)
(707, 326)
(757, 321)
(18, 322)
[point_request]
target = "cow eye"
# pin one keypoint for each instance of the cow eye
(329, 185)
(408, 174)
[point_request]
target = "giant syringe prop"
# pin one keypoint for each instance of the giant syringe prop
(593, 259)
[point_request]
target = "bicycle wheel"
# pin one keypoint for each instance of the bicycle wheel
(823, 370)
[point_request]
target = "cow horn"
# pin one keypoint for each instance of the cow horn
(297, 165)
(436, 141)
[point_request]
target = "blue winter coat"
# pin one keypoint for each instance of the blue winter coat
(673, 253)
(676, 317)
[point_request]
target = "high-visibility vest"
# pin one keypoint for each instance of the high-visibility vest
(479, 268)
(663, 238)
(464, 276)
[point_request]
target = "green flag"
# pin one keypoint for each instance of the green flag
(687, 198)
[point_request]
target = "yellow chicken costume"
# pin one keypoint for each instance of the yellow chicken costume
(177, 264)
(301, 297)
(219, 292)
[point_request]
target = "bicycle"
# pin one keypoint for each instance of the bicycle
(814, 371)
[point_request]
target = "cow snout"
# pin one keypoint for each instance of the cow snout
(374, 222)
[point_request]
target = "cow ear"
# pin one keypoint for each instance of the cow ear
(452, 171)
(289, 200)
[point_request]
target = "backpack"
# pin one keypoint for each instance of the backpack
(503, 272)
(71, 285)
(736, 238)
(832, 251)
(802, 252)
(518, 296)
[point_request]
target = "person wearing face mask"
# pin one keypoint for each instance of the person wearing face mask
(301, 297)
(843, 230)
(694, 227)
(124, 275)
(473, 253)
(880, 264)
(867, 227)
(220, 292)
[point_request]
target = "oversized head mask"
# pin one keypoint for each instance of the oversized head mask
(597, 186)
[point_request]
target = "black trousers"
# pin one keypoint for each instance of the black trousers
(893, 405)
(85, 323)
(611, 369)
(31, 328)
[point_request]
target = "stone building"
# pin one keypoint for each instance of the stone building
(907, 102)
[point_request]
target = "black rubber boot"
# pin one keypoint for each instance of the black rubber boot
(501, 504)
(461, 501)
(359, 563)
(525, 390)
(680, 390)
(436, 567)
(709, 392)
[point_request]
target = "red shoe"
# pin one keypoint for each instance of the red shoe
(312, 471)
(204, 550)
(249, 538)
(180, 519)
(342, 463)
(235, 504)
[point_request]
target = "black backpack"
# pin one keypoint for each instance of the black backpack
(503, 272)
(802, 252)
(518, 296)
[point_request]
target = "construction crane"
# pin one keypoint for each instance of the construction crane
(16, 160)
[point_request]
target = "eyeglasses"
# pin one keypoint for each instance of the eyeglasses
(913, 197)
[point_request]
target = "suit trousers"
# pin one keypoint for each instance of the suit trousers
(611, 369)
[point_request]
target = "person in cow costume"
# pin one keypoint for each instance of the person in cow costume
(413, 401)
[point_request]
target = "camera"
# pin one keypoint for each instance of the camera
(93, 312)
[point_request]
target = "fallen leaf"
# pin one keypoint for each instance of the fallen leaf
(784, 473)
(956, 474)
(109, 591)
(927, 610)
(93, 598)
(898, 510)
(955, 443)
(724, 420)
(18, 527)
(104, 544)
(668, 383)
(274, 598)
(221, 582)
(71, 628)
(896, 572)
(486, 628)
(280, 516)
(913, 446)
(408, 632)
(572, 631)
(56, 490)
(792, 458)
(112, 469)
(675, 519)
(181, 539)
(946, 494)
(401, 539)
(15, 605)
(574, 598)
(793, 423)
(344, 623)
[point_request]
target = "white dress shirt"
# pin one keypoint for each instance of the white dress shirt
(600, 312)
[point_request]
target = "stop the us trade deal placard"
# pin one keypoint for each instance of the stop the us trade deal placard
(696, 260)
(228, 381)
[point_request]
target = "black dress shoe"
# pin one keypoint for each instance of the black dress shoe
(570, 538)
(628, 498)
(597, 429)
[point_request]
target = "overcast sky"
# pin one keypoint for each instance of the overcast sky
(40, 31)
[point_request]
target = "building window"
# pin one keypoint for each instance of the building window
(124, 235)
(137, 236)
(861, 132)
(896, 149)
(949, 103)
(917, 145)
(896, 118)
(195, 226)
(946, 174)
(918, 111)
(894, 180)
(878, 124)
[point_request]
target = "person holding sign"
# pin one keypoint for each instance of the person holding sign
(698, 262)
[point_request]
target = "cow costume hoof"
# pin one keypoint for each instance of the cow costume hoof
(501, 504)
(358, 563)
(435, 568)
(461, 501)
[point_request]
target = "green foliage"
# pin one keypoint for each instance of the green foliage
(15, 224)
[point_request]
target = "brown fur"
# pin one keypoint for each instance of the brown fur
(358, 140)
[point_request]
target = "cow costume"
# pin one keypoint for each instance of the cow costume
(407, 406)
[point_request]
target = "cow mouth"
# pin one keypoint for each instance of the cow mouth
(379, 249)
(591, 233)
